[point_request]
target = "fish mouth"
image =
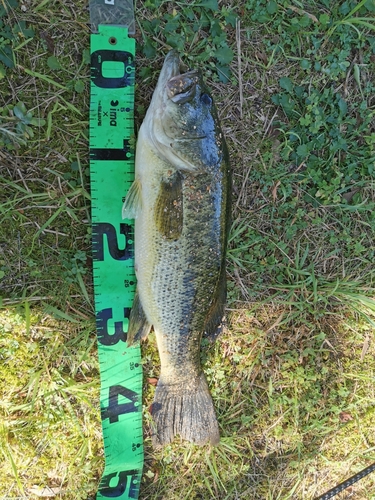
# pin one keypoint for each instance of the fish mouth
(171, 67)
(180, 86)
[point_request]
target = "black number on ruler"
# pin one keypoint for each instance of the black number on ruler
(115, 408)
(104, 337)
(105, 228)
(100, 56)
(115, 491)
(112, 154)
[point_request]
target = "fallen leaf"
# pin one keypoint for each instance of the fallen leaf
(276, 322)
(45, 492)
(345, 417)
(49, 41)
(349, 195)
(274, 190)
(152, 381)
(302, 12)
(366, 345)
(262, 56)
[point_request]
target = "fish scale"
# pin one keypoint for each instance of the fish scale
(191, 265)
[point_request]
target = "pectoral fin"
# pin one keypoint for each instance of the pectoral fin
(215, 318)
(139, 327)
(132, 203)
(169, 207)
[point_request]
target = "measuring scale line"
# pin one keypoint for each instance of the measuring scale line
(111, 173)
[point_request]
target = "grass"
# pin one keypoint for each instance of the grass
(49, 397)
(292, 377)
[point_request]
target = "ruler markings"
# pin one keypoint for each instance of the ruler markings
(112, 171)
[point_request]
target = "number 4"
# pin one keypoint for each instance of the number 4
(115, 408)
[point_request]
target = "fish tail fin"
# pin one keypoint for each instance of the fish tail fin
(185, 409)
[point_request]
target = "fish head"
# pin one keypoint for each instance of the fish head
(182, 121)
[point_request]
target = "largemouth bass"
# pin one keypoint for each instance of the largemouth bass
(180, 200)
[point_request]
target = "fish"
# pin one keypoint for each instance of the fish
(181, 202)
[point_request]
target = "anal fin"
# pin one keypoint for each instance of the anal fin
(139, 326)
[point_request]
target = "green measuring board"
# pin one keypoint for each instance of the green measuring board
(112, 172)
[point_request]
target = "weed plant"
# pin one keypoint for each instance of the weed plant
(292, 377)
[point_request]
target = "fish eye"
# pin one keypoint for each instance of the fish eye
(206, 99)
